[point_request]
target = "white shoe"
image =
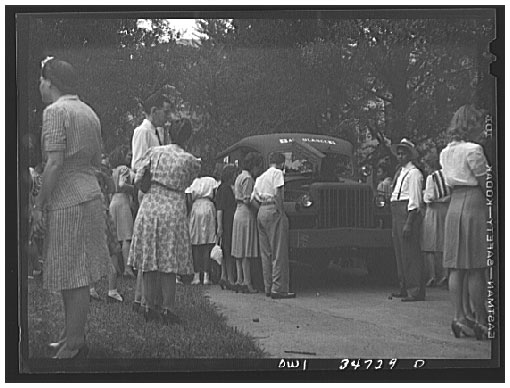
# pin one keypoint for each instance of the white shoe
(206, 279)
(94, 294)
(114, 294)
(196, 279)
(178, 280)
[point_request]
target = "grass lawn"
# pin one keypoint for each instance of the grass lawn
(115, 331)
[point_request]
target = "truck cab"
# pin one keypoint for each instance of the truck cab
(331, 212)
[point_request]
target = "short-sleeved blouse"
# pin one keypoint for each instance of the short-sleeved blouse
(462, 163)
(243, 186)
(71, 126)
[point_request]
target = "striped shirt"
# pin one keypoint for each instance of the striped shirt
(72, 127)
(436, 189)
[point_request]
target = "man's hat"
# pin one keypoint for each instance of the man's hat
(408, 145)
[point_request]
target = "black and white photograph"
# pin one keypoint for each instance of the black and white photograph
(254, 193)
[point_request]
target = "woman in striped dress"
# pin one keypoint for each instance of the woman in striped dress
(68, 207)
(245, 240)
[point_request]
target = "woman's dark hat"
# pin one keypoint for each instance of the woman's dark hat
(408, 145)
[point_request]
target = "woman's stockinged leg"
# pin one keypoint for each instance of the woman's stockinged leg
(455, 286)
(112, 274)
(229, 261)
(76, 303)
(431, 268)
(246, 271)
(125, 255)
(239, 268)
(168, 288)
(466, 299)
(477, 292)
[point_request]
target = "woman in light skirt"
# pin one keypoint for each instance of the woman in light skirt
(465, 248)
(245, 240)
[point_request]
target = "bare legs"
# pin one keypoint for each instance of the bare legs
(456, 286)
(431, 268)
(227, 268)
(128, 271)
(239, 268)
(476, 285)
(168, 289)
(466, 291)
(246, 272)
(76, 308)
(112, 275)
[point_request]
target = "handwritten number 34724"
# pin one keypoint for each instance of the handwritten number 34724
(366, 364)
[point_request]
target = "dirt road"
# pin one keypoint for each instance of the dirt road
(346, 317)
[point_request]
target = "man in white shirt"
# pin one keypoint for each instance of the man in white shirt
(406, 201)
(273, 226)
(157, 110)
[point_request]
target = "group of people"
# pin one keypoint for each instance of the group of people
(445, 222)
(180, 215)
(145, 213)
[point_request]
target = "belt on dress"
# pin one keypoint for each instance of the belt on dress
(166, 187)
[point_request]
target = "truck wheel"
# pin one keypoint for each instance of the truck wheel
(381, 266)
(307, 266)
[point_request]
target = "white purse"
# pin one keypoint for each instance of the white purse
(217, 253)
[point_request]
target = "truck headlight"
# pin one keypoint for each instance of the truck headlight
(366, 170)
(306, 200)
(380, 201)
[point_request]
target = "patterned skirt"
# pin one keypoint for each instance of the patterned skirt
(161, 238)
(245, 237)
(465, 245)
(75, 249)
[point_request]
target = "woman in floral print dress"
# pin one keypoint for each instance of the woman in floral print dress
(161, 246)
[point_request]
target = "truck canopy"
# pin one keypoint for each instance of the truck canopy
(283, 142)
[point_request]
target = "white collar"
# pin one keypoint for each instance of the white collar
(67, 97)
(408, 166)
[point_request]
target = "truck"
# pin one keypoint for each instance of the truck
(334, 214)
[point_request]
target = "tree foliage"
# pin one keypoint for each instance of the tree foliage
(344, 77)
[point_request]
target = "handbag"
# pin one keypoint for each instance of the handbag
(217, 253)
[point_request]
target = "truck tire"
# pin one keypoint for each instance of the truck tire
(382, 267)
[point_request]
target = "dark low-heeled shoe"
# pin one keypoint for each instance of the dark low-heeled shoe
(283, 295)
(229, 286)
(470, 322)
(137, 306)
(222, 283)
(481, 332)
(152, 315)
(431, 283)
(459, 329)
(169, 317)
(443, 282)
(249, 290)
